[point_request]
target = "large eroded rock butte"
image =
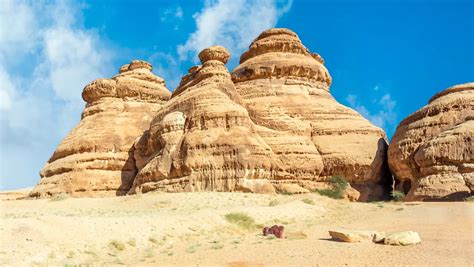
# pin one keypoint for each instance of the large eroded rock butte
(270, 126)
(202, 139)
(95, 158)
(432, 152)
(285, 89)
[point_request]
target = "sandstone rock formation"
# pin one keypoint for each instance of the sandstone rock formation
(203, 138)
(95, 157)
(285, 89)
(271, 126)
(432, 152)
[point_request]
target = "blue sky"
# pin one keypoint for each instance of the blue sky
(387, 58)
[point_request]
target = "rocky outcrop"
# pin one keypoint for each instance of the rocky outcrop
(272, 126)
(285, 89)
(95, 157)
(203, 139)
(431, 154)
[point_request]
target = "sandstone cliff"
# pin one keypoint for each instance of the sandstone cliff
(431, 154)
(95, 157)
(285, 88)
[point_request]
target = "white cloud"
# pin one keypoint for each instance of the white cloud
(17, 27)
(381, 112)
(39, 106)
(172, 13)
(7, 91)
(232, 24)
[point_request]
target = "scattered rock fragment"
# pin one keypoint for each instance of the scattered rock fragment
(402, 238)
(354, 236)
(276, 230)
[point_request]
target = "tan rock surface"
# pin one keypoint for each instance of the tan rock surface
(431, 154)
(402, 238)
(95, 157)
(355, 236)
(285, 88)
(203, 139)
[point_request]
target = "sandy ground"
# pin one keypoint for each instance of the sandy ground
(190, 229)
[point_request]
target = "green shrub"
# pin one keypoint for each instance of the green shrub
(117, 245)
(336, 191)
(397, 195)
(60, 196)
(241, 219)
(273, 203)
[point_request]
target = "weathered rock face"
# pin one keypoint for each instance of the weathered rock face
(432, 152)
(285, 89)
(278, 129)
(203, 138)
(95, 157)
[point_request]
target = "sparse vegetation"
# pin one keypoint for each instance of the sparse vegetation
(60, 196)
(336, 191)
(157, 242)
(273, 203)
(242, 220)
(397, 195)
(132, 242)
(117, 245)
(308, 201)
(70, 254)
(192, 248)
(216, 245)
(469, 199)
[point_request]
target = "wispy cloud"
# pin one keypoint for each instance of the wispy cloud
(381, 111)
(172, 13)
(41, 100)
(232, 24)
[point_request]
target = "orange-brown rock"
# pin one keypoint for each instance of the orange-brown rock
(432, 152)
(203, 138)
(95, 157)
(285, 89)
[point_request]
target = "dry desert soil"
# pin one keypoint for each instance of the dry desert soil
(195, 229)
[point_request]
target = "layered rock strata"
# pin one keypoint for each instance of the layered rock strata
(271, 126)
(285, 89)
(203, 139)
(95, 157)
(432, 152)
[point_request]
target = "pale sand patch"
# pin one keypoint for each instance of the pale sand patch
(191, 229)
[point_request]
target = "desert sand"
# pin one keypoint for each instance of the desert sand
(190, 229)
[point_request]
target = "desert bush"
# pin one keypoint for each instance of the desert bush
(132, 242)
(117, 245)
(336, 191)
(273, 203)
(308, 201)
(397, 195)
(241, 219)
(469, 199)
(60, 196)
